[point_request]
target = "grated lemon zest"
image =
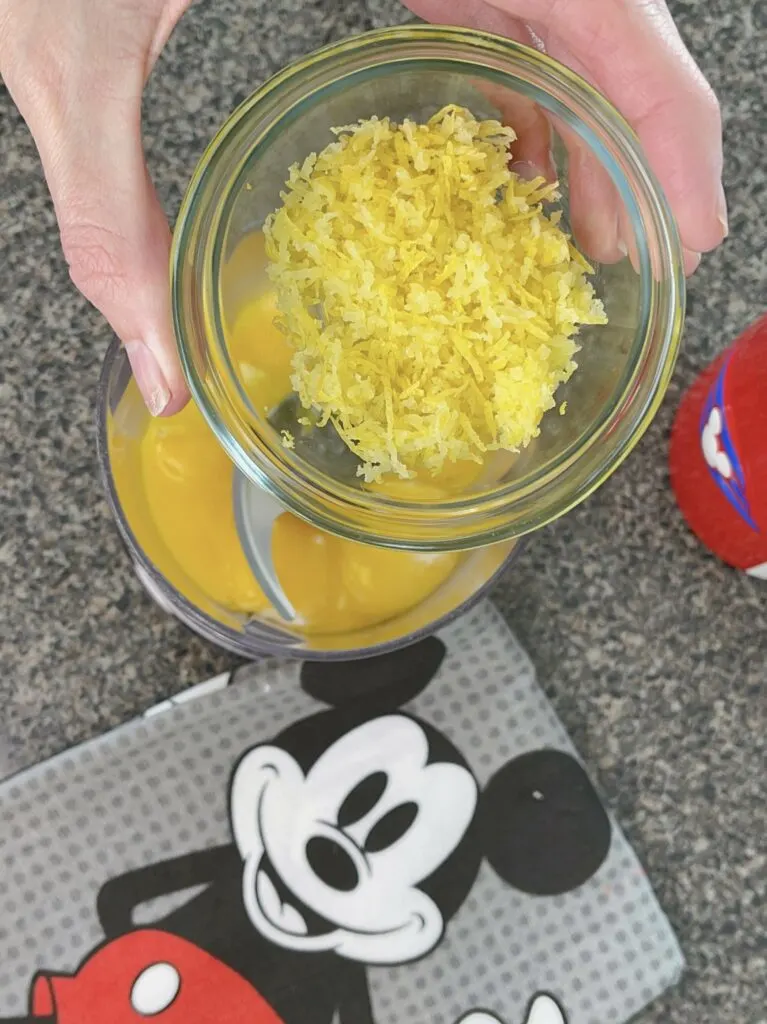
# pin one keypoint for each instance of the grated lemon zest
(410, 262)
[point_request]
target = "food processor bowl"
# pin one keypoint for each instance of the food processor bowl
(121, 423)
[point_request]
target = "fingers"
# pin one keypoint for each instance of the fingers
(632, 52)
(531, 150)
(594, 203)
(480, 14)
(116, 241)
(82, 102)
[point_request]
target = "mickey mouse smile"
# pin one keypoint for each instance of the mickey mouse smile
(280, 905)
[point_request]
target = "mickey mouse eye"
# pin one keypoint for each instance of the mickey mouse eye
(362, 799)
(391, 827)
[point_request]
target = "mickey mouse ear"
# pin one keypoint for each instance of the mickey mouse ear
(385, 682)
(544, 828)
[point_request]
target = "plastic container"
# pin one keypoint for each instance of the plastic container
(121, 420)
(624, 368)
(718, 454)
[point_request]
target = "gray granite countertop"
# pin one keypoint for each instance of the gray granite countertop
(653, 653)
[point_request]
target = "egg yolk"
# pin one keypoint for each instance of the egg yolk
(186, 521)
(337, 584)
(262, 353)
(187, 480)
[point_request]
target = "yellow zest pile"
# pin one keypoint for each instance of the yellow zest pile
(431, 300)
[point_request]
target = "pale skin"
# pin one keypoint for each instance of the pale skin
(77, 68)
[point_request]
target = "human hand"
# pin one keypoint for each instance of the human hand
(631, 51)
(76, 70)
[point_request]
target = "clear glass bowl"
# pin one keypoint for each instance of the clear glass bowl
(121, 423)
(624, 367)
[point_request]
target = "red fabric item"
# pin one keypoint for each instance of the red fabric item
(718, 454)
(149, 975)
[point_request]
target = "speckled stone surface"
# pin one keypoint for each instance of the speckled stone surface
(653, 653)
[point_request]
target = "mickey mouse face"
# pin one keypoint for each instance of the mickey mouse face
(362, 829)
(334, 855)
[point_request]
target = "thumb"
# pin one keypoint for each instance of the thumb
(114, 233)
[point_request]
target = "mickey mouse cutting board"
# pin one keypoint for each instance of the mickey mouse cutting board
(402, 840)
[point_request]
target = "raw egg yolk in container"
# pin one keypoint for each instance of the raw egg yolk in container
(335, 585)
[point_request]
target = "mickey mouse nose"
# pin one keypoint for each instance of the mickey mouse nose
(331, 863)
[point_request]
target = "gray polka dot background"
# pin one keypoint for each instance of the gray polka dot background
(157, 787)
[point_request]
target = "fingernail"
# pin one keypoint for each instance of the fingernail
(525, 169)
(149, 377)
(721, 211)
(691, 261)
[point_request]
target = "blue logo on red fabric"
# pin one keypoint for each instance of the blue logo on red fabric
(719, 450)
